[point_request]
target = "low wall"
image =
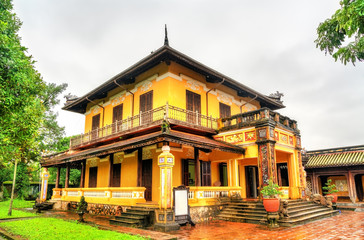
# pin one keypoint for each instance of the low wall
(198, 213)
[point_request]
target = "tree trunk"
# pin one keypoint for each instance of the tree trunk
(12, 189)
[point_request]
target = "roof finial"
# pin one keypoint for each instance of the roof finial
(165, 35)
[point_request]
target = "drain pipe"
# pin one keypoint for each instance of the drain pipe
(132, 97)
(241, 107)
(103, 110)
(207, 96)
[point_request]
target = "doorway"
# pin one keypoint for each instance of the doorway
(251, 177)
(359, 186)
(147, 167)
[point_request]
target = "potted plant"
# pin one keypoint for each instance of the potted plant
(271, 196)
(82, 209)
(330, 189)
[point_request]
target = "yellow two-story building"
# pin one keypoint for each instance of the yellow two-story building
(226, 138)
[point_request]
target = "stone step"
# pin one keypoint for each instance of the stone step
(308, 218)
(262, 211)
(295, 210)
(130, 216)
(241, 219)
(308, 213)
(125, 222)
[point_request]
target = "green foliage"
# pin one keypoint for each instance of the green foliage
(22, 181)
(6, 194)
(271, 190)
(329, 188)
(74, 180)
(82, 205)
(346, 26)
(5, 174)
(52, 228)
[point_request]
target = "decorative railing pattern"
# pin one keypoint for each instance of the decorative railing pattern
(253, 117)
(166, 112)
(102, 193)
(213, 192)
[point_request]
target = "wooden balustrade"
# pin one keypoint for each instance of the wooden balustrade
(253, 117)
(166, 112)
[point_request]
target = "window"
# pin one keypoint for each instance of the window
(223, 174)
(188, 174)
(225, 110)
(193, 107)
(95, 126)
(205, 173)
(92, 182)
(117, 116)
(145, 107)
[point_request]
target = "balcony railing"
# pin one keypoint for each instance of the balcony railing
(253, 117)
(170, 113)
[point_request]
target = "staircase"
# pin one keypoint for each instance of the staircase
(244, 211)
(299, 211)
(139, 216)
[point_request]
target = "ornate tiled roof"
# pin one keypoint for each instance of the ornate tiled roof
(335, 157)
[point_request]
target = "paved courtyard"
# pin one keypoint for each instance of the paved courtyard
(347, 225)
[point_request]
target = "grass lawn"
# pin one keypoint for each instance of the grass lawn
(18, 204)
(4, 207)
(53, 228)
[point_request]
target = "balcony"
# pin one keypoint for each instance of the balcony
(252, 118)
(155, 117)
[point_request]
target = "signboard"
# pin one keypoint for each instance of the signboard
(181, 208)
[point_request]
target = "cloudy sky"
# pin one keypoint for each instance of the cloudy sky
(266, 45)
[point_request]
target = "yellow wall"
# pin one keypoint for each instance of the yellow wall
(169, 84)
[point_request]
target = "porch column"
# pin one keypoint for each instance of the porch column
(294, 176)
(58, 176)
(67, 176)
(197, 167)
(83, 168)
(233, 172)
(111, 162)
(351, 186)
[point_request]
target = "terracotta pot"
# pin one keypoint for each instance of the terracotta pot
(271, 204)
(335, 197)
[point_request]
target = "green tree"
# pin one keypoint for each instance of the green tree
(342, 35)
(25, 99)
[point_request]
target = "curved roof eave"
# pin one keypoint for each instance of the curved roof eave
(164, 53)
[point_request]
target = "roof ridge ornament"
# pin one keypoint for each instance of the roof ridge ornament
(166, 43)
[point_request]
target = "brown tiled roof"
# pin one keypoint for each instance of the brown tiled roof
(201, 142)
(337, 157)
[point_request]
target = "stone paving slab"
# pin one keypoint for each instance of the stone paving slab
(347, 225)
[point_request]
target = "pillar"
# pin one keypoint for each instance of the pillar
(83, 169)
(43, 192)
(66, 184)
(266, 149)
(165, 218)
(294, 177)
(58, 176)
